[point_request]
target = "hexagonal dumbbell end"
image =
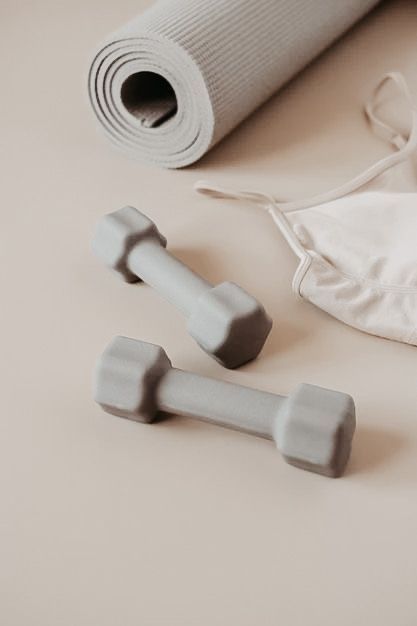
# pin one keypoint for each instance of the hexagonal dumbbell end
(229, 324)
(314, 429)
(118, 233)
(127, 376)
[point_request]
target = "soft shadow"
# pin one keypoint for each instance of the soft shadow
(284, 336)
(201, 262)
(373, 447)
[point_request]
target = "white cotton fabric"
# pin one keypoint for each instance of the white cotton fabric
(223, 58)
(357, 244)
(362, 253)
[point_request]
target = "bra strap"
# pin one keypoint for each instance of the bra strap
(380, 127)
(278, 208)
(404, 146)
(263, 200)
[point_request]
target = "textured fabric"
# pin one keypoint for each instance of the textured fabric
(362, 253)
(222, 58)
(357, 244)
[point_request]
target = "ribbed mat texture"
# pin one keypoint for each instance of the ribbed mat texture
(175, 80)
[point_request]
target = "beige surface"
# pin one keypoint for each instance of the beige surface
(107, 522)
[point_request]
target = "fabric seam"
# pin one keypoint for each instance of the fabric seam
(364, 281)
(300, 273)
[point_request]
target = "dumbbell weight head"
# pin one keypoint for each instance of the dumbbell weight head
(313, 428)
(229, 324)
(118, 233)
(226, 321)
(127, 376)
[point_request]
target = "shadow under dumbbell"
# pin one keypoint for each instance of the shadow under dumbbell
(200, 261)
(283, 339)
(372, 448)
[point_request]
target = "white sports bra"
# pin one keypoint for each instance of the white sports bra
(357, 244)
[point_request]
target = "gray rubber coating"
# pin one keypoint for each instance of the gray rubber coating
(226, 321)
(313, 428)
(167, 275)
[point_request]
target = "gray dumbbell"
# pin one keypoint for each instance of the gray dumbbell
(313, 427)
(228, 323)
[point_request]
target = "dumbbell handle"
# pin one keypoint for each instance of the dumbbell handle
(219, 402)
(153, 264)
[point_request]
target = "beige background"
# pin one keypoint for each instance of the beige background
(107, 522)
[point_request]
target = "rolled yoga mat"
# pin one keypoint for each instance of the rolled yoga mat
(175, 80)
